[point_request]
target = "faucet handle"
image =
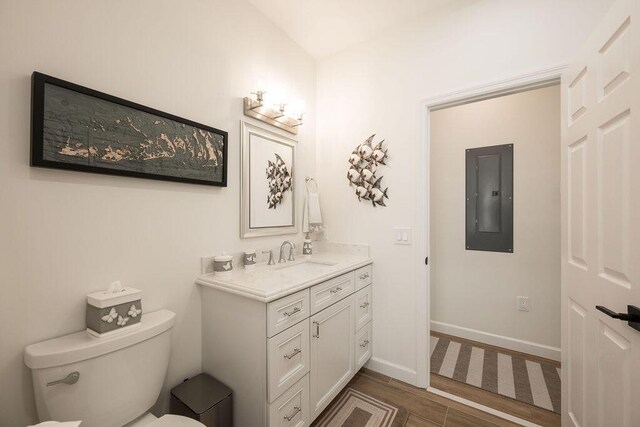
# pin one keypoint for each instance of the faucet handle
(291, 251)
(270, 252)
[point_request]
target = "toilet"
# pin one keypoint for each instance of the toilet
(107, 382)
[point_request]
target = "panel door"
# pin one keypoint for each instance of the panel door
(332, 353)
(601, 224)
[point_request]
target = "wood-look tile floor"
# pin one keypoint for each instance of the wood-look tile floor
(429, 410)
(425, 409)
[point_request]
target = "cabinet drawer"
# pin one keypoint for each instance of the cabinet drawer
(363, 307)
(287, 311)
(363, 346)
(326, 293)
(287, 358)
(291, 409)
(363, 277)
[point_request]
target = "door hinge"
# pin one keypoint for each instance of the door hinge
(426, 261)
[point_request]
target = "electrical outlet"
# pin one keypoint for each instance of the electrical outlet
(523, 303)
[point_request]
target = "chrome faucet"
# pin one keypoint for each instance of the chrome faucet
(270, 252)
(291, 246)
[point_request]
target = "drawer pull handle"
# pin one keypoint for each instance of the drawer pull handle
(296, 409)
(335, 290)
(317, 334)
(365, 343)
(292, 312)
(365, 305)
(293, 353)
(364, 276)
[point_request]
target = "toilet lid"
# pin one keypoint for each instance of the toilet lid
(175, 421)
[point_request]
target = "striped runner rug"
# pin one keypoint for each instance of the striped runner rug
(511, 376)
(353, 408)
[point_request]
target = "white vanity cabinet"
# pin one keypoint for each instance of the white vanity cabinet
(287, 359)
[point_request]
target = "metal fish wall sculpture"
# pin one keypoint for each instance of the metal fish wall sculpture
(363, 165)
(279, 181)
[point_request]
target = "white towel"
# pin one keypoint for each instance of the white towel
(58, 424)
(311, 215)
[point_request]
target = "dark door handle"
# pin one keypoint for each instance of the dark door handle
(632, 316)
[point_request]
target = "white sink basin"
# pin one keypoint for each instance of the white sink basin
(307, 266)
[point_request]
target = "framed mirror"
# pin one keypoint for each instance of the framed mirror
(268, 201)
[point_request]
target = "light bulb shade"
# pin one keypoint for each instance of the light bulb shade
(275, 97)
(296, 108)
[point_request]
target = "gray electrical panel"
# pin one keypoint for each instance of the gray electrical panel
(489, 198)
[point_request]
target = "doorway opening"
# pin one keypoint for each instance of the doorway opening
(494, 315)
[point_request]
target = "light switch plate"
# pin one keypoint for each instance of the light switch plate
(402, 236)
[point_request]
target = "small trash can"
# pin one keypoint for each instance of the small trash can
(205, 399)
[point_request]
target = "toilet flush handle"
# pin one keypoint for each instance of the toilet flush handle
(72, 378)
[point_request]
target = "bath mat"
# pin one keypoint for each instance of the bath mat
(356, 409)
(525, 380)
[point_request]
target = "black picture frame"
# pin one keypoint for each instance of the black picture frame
(39, 83)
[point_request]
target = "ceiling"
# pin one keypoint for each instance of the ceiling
(323, 27)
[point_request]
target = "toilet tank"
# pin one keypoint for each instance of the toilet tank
(120, 376)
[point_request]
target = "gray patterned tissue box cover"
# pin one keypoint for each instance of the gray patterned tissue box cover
(103, 320)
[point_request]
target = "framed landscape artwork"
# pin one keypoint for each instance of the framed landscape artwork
(76, 128)
(268, 203)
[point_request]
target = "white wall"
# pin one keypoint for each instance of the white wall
(65, 234)
(476, 289)
(378, 87)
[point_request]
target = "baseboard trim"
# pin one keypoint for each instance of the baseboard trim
(392, 370)
(514, 344)
(481, 407)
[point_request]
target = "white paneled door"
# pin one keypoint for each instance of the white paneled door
(601, 224)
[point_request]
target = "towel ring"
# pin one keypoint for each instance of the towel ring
(307, 180)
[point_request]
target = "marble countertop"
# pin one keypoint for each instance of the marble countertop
(269, 282)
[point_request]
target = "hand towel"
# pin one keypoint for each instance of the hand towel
(311, 214)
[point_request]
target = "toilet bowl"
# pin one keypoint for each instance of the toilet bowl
(165, 421)
(109, 382)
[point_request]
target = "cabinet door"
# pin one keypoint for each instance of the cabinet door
(332, 352)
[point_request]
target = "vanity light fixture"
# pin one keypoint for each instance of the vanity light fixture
(283, 115)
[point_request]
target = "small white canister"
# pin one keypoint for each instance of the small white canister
(222, 265)
(249, 259)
